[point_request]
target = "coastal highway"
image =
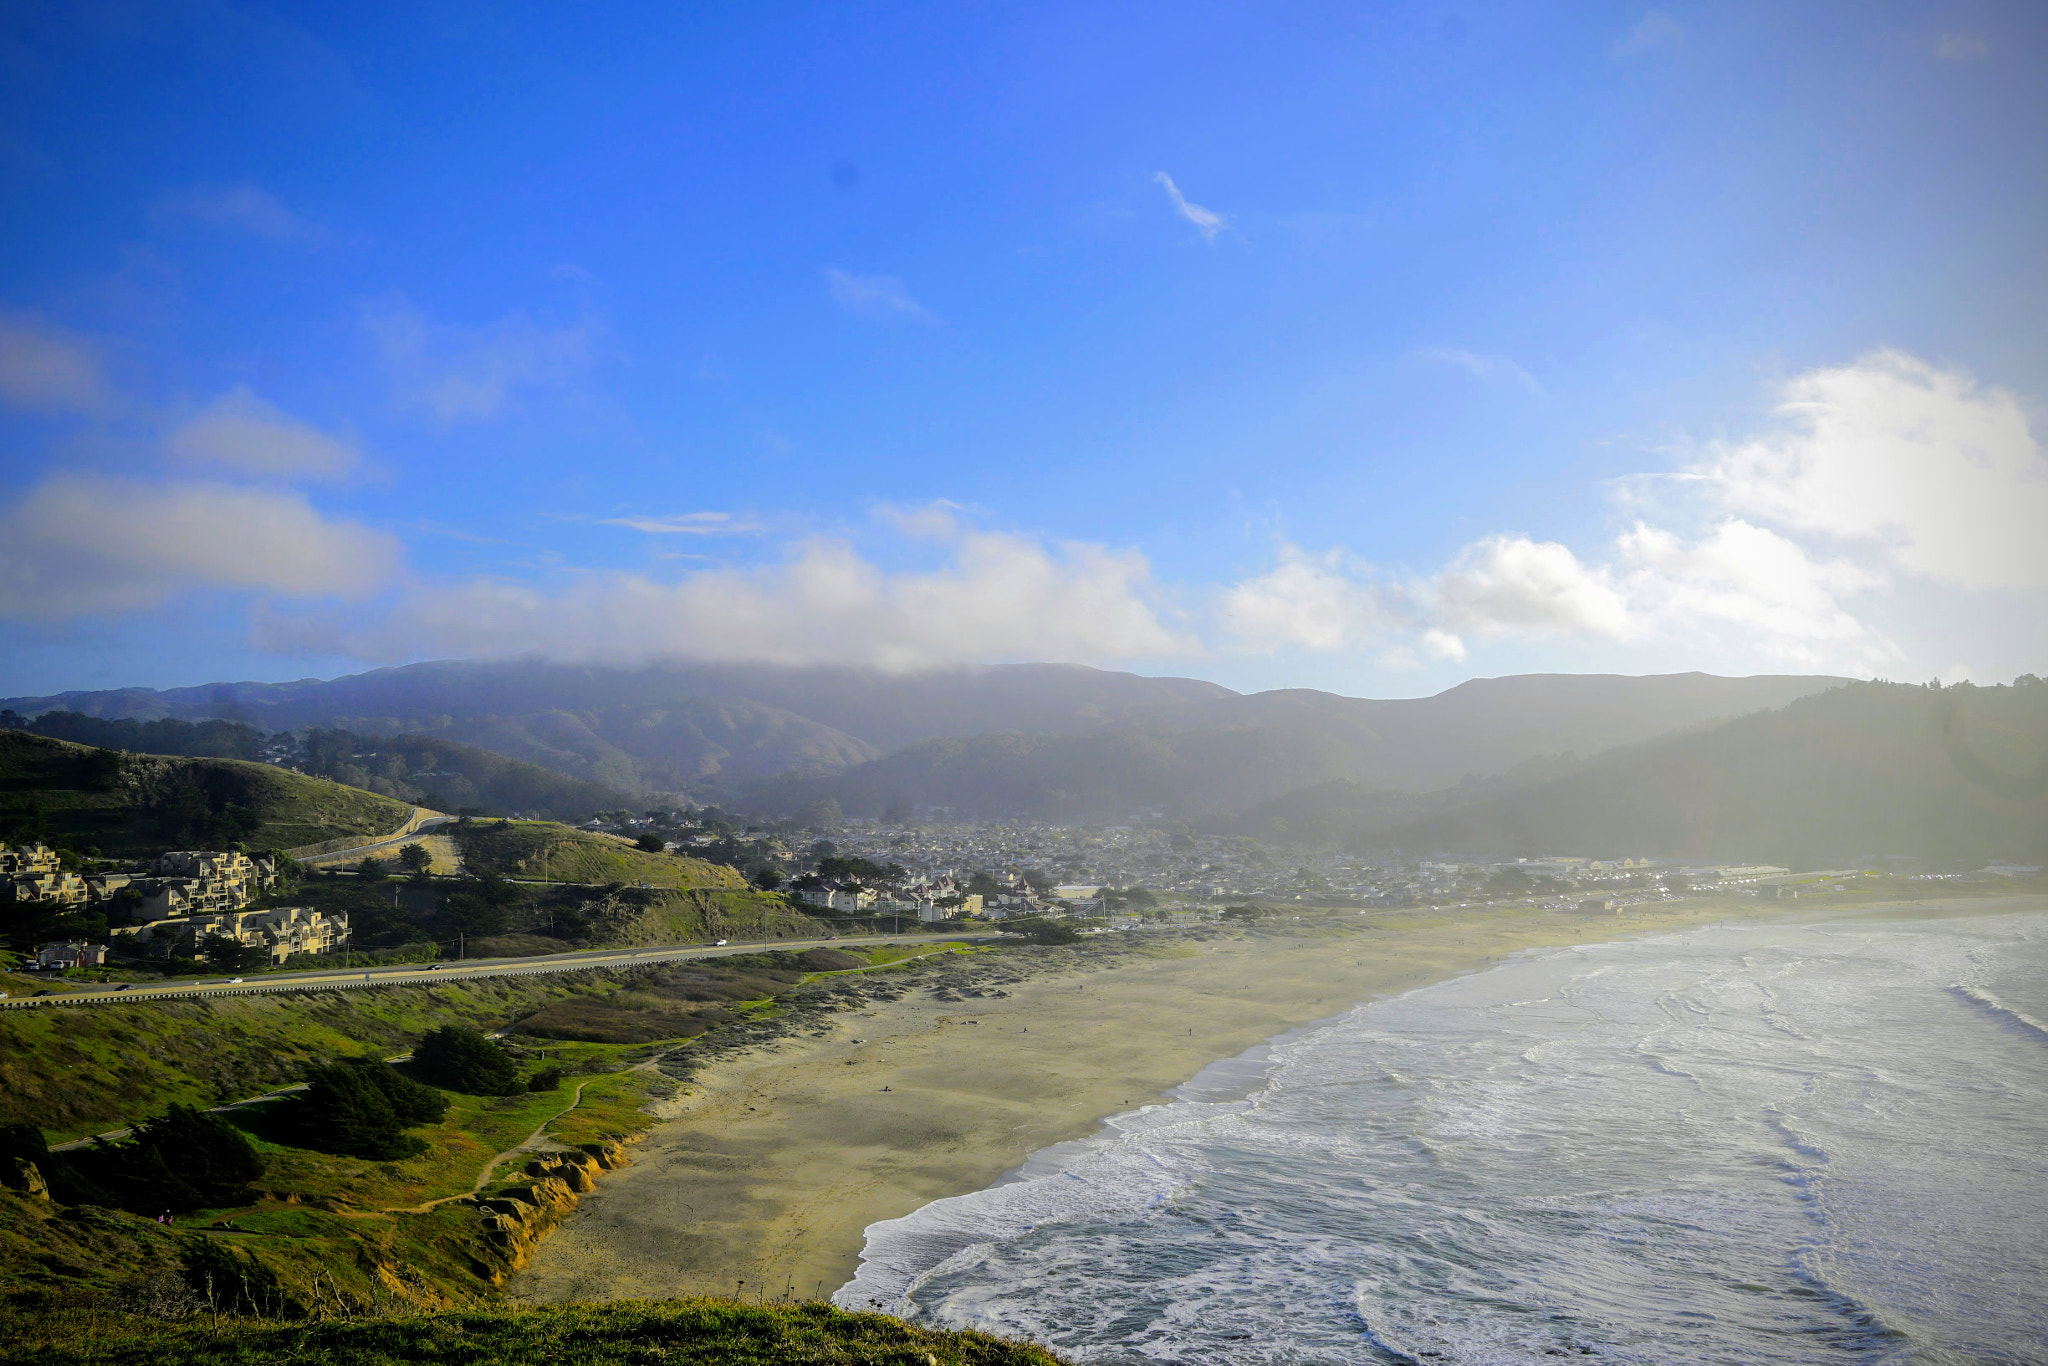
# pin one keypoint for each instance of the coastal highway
(413, 974)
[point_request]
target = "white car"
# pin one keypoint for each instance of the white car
(719, 943)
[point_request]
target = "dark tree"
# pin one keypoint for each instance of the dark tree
(472, 914)
(414, 858)
(182, 1160)
(651, 844)
(1040, 931)
(372, 870)
(224, 954)
(362, 1108)
(463, 1059)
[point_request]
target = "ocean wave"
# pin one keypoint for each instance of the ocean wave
(1998, 1009)
(1728, 1150)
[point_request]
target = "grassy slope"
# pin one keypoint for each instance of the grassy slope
(84, 1069)
(695, 897)
(89, 797)
(680, 1333)
(557, 853)
(339, 1234)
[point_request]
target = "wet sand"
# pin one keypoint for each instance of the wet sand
(778, 1158)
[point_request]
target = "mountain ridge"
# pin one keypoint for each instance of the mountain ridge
(1033, 739)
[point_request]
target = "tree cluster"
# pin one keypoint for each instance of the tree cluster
(362, 1108)
(183, 1160)
(464, 1059)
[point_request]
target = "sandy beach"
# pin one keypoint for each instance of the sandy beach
(778, 1158)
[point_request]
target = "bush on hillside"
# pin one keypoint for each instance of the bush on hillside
(1041, 931)
(184, 1159)
(362, 1108)
(463, 1059)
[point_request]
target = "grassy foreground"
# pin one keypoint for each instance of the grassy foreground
(678, 1332)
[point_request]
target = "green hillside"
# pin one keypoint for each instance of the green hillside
(558, 853)
(422, 769)
(132, 804)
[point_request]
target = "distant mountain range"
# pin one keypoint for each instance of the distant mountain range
(1043, 740)
(1954, 776)
(1789, 769)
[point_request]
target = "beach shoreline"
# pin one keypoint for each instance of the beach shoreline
(763, 1176)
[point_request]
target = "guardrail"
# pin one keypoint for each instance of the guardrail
(442, 972)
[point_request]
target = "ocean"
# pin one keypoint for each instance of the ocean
(1751, 1143)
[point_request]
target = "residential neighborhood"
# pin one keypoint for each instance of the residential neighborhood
(172, 905)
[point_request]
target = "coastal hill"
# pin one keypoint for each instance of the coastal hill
(420, 769)
(666, 726)
(1951, 775)
(131, 804)
(1056, 740)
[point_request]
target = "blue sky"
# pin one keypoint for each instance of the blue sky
(1358, 347)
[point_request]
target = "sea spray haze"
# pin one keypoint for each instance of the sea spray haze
(1768, 1144)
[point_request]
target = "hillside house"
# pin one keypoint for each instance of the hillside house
(66, 889)
(282, 932)
(70, 953)
(198, 882)
(31, 858)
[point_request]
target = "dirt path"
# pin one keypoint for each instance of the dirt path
(484, 1177)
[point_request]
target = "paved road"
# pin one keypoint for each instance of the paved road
(400, 974)
(417, 824)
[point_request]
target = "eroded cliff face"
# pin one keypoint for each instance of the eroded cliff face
(515, 1220)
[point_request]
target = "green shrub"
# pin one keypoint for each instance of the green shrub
(463, 1059)
(362, 1108)
(184, 1159)
(547, 1079)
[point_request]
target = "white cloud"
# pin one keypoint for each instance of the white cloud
(45, 368)
(1939, 472)
(1001, 597)
(1481, 367)
(877, 296)
(247, 208)
(241, 432)
(1962, 47)
(1754, 588)
(1438, 644)
(468, 374)
(687, 524)
(1508, 585)
(937, 520)
(1751, 590)
(79, 546)
(1654, 30)
(1306, 602)
(1207, 221)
